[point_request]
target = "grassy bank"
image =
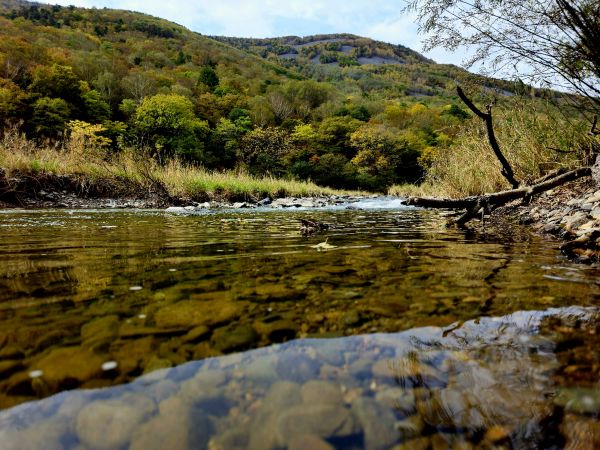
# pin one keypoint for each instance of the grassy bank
(96, 172)
(534, 139)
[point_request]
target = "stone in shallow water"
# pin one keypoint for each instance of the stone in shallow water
(194, 313)
(101, 329)
(296, 367)
(231, 439)
(324, 420)
(309, 441)
(377, 422)
(316, 391)
(108, 424)
(281, 396)
(410, 428)
(581, 433)
(47, 435)
(178, 427)
(277, 331)
(236, 338)
(196, 334)
(579, 400)
(69, 366)
(414, 444)
(402, 400)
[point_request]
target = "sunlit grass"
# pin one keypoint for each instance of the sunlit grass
(19, 155)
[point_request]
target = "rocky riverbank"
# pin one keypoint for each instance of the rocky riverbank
(52, 191)
(570, 213)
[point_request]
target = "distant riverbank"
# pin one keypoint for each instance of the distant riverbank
(33, 176)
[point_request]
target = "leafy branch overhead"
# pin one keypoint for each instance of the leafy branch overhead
(553, 42)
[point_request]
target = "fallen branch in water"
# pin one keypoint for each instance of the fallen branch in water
(484, 204)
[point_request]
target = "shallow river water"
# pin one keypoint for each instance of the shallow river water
(229, 329)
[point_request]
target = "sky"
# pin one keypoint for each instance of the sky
(377, 19)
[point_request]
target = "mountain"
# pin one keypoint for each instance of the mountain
(340, 50)
(342, 110)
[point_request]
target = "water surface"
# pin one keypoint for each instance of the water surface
(90, 299)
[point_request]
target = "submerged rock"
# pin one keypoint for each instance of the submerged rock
(193, 313)
(109, 424)
(69, 367)
(323, 420)
(377, 422)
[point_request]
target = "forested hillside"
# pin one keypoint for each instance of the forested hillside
(341, 110)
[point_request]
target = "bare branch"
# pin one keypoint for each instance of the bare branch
(507, 171)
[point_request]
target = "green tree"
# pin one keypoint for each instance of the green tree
(262, 151)
(96, 109)
(223, 148)
(385, 157)
(208, 77)
(167, 122)
(49, 116)
(12, 102)
(58, 81)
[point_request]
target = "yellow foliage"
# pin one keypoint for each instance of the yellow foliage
(85, 137)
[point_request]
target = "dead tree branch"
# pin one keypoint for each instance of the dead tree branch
(593, 130)
(476, 205)
(506, 171)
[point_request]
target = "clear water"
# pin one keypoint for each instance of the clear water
(452, 340)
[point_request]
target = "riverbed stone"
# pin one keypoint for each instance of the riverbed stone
(231, 439)
(176, 428)
(8, 367)
(47, 435)
(316, 391)
(193, 313)
(323, 420)
(196, 334)
(579, 400)
(281, 396)
(109, 424)
(377, 422)
(581, 433)
(100, 329)
(421, 443)
(278, 330)
(131, 355)
(296, 367)
(233, 338)
(68, 367)
(402, 400)
(411, 427)
(309, 441)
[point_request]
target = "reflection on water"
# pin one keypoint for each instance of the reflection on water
(487, 383)
(91, 299)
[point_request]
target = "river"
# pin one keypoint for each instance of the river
(230, 329)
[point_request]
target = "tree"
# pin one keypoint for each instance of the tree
(49, 116)
(208, 77)
(263, 150)
(554, 42)
(168, 123)
(12, 102)
(96, 109)
(57, 81)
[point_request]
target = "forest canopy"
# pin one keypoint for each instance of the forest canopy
(148, 85)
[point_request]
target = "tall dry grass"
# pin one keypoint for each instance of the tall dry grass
(92, 164)
(533, 139)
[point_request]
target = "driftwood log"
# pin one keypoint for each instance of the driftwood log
(476, 206)
(484, 204)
